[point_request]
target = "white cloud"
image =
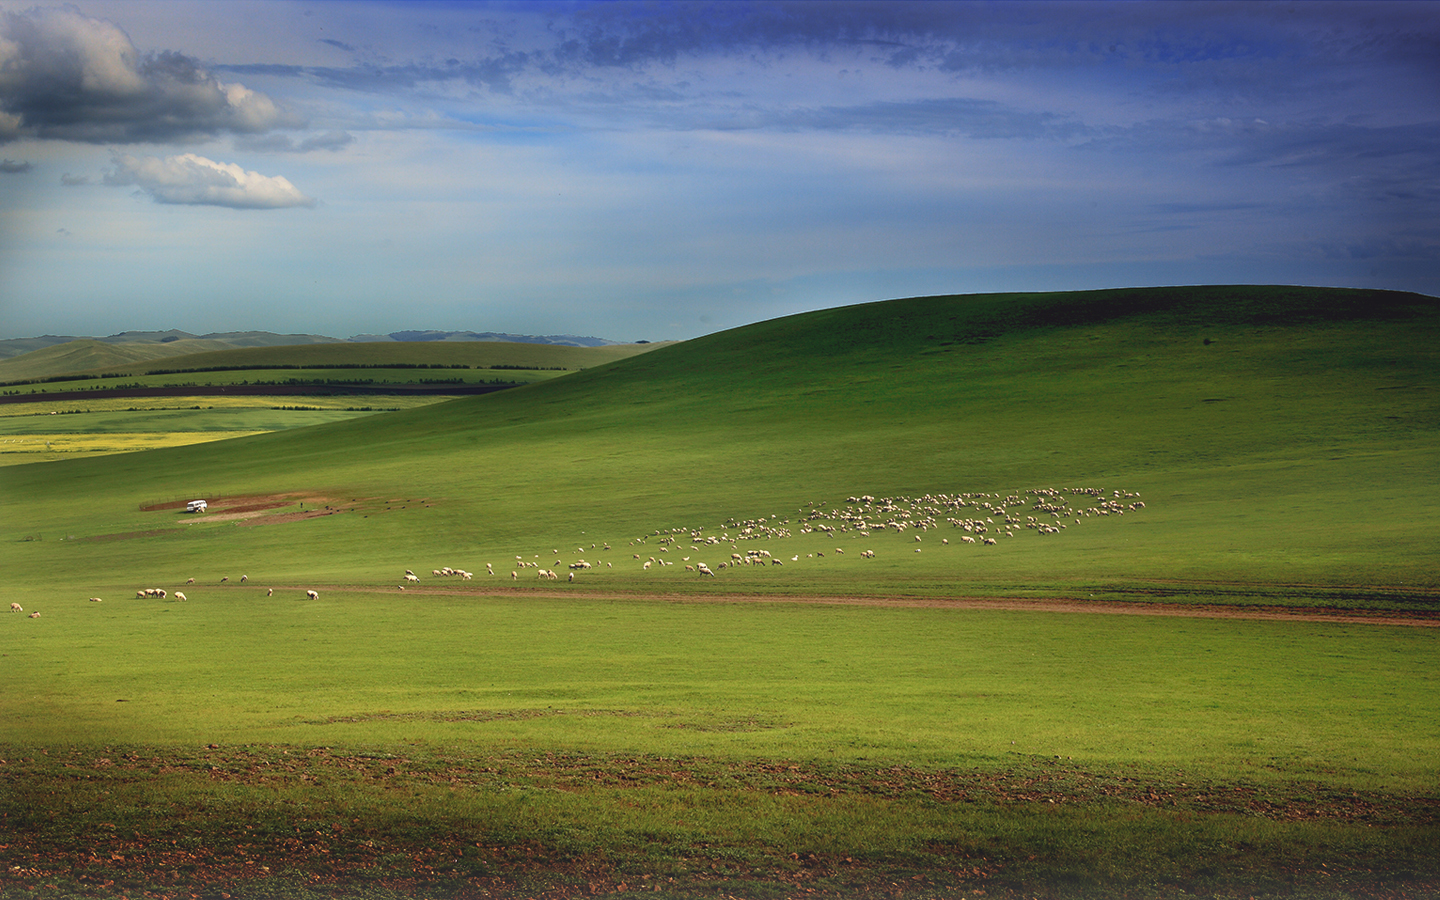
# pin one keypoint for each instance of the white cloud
(195, 180)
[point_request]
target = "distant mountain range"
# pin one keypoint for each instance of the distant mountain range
(233, 339)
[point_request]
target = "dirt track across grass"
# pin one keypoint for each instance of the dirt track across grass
(1407, 618)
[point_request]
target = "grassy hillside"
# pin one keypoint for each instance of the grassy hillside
(525, 737)
(1278, 437)
(136, 358)
(363, 379)
(86, 354)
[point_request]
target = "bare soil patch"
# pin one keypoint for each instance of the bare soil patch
(251, 509)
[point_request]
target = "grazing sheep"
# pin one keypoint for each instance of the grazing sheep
(15, 607)
(410, 578)
(179, 596)
(244, 578)
(35, 615)
(224, 579)
(96, 600)
(270, 592)
(189, 581)
(572, 577)
(312, 595)
(408, 572)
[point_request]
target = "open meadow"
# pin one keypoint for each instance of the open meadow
(112, 405)
(1106, 594)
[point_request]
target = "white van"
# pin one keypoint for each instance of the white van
(196, 506)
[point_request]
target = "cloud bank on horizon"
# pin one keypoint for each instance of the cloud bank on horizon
(661, 170)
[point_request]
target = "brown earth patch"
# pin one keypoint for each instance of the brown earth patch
(282, 518)
(241, 503)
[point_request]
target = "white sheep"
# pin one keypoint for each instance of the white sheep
(179, 596)
(35, 615)
(410, 578)
(15, 607)
(312, 595)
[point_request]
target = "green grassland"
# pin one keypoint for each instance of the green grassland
(135, 361)
(86, 354)
(78, 427)
(838, 723)
(148, 423)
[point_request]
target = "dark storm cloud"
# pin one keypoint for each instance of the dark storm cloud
(65, 76)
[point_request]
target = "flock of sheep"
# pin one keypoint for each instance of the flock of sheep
(980, 519)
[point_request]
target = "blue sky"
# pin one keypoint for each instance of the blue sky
(664, 170)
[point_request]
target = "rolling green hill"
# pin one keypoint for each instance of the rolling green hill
(87, 354)
(516, 736)
(478, 354)
(1279, 436)
(91, 357)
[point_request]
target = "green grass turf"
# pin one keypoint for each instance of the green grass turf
(137, 360)
(1287, 460)
(1279, 454)
(1350, 704)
